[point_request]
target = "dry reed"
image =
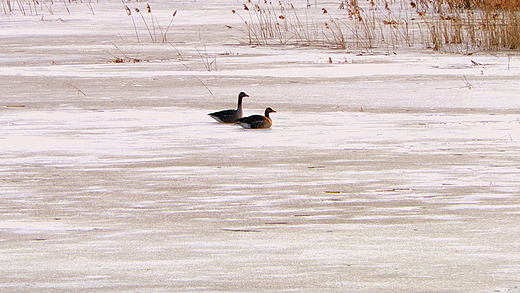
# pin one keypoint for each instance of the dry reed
(448, 25)
(153, 27)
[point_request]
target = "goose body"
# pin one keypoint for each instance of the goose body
(257, 121)
(230, 116)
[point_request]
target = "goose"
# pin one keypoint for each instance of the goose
(230, 116)
(257, 121)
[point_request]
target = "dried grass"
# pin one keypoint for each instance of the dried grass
(442, 25)
(38, 7)
(447, 25)
(153, 27)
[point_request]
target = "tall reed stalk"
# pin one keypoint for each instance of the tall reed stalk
(153, 27)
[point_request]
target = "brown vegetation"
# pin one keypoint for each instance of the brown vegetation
(448, 25)
(444, 25)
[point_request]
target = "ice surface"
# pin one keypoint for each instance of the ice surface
(395, 170)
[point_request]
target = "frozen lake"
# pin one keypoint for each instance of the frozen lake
(390, 171)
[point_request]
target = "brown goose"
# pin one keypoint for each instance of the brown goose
(230, 116)
(257, 121)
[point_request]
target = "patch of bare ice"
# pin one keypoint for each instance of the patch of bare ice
(31, 227)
